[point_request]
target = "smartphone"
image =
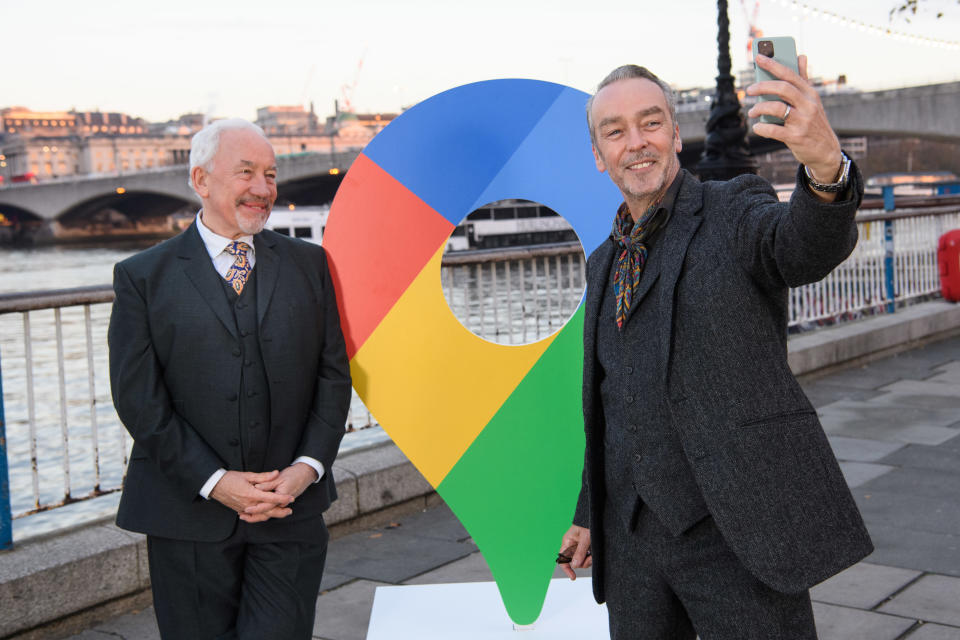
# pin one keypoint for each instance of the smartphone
(784, 51)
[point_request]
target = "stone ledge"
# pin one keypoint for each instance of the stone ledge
(879, 336)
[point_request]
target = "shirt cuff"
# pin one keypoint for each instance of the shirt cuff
(316, 464)
(211, 483)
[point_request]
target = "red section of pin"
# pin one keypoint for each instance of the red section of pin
(379, 236)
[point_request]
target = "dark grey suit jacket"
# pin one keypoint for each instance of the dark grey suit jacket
(758, 452)
(175, 370)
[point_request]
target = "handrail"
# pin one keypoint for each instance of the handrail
(55, 298)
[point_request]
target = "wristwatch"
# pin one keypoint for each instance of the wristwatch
(843, 177)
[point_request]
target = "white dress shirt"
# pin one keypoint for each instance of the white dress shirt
(222, 261)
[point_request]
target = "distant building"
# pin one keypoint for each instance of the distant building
(38, 145)
(286, 120)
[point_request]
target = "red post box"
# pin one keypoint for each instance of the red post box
(948, 256)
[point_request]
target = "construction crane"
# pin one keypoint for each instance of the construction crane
(346, 90)
(754, 32)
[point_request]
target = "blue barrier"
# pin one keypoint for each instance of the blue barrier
(888, 265)
(6, 517)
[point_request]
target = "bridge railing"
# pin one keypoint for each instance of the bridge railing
(62, 442)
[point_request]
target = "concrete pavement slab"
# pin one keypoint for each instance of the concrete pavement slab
(822, 392)
(439, 522)
(935, 598)
(863, 586)
(924, 396)
(391, 555)
(932, 631)
(871, 377)
(924, 457)
(333, 580)
(911, 512)
(923, 388)
(862, 449)
(843, 623)
(900, 546)
(344, 613)
(928, 483)
(858, 473)
(947, 374)
(953, 444)
(473, 568)
(140, 625)
(865, 419)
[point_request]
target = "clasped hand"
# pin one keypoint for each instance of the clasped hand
(257, 497)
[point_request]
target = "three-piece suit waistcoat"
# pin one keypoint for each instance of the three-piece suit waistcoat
(645, 462)
(253, 391)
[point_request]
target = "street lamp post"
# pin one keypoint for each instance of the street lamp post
(725, 149)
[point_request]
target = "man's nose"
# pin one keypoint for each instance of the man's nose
(260, 186)
(635, 138)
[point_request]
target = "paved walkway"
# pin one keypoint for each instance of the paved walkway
(894, 425)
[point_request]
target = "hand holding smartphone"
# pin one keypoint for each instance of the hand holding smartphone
(784, 51)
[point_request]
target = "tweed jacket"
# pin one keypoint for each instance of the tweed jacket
(176, 367)
(757, 450)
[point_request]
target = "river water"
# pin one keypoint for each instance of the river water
(33, 269)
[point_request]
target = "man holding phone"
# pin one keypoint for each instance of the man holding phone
(711, 500)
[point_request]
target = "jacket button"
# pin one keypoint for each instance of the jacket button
(638, 457)
(632, 428)
(628, 369)
(236, 353)
(251, 393)
(629, 399)
(233, 442)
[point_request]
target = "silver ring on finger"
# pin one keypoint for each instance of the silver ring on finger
(786, 113)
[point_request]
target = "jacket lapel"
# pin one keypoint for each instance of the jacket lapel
(206, 280)
(680, 230)
(268, 270)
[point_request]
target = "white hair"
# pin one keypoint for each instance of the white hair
(206, 143)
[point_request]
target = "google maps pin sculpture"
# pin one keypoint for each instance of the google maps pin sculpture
(496, 429)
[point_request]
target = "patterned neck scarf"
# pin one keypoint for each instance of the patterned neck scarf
(630, 237)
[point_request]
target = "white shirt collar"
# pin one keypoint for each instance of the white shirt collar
(215, 243)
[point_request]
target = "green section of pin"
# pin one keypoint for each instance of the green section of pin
(515, 489)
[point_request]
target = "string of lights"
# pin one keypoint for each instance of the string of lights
(859, 25)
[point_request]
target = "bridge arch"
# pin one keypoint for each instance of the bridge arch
(310, 190)
(122, 208)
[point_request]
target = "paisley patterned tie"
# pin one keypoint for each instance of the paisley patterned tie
(240, 271)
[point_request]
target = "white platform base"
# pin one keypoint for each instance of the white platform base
(474, 611)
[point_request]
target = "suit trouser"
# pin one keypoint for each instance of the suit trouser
(235, 589)
(661, 587)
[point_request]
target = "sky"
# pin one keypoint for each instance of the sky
(158, 60)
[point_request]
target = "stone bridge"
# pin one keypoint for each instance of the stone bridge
(159, 192)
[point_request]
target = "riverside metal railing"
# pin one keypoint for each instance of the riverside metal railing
(894, 263)
(62, 442)
(514, 296)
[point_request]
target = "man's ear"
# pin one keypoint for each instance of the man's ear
(677, 142)
(198, 175)
(601, 165)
